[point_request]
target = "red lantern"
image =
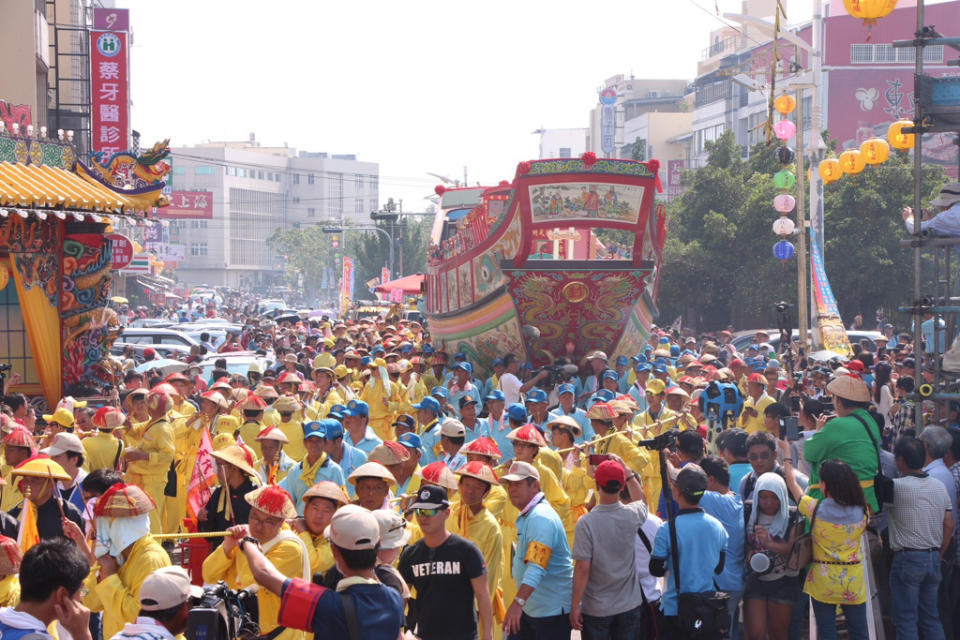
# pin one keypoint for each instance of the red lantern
(589, 159)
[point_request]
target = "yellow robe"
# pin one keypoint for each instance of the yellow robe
(248, 432)
(286, 556)
(10, 495)
(652, 484)
(318, 548)
(552, 489)
(381, 414)
(100, 451)
(151, 474)
(9, 591)
(410, 394)
(551, 460)
(577, 485)
(225, 423)
(318, 410)
(294, 432)
(119, 595)
(483, 530)
(187, 436)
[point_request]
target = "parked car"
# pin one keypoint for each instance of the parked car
(145, 323)
(743, 338)
(237, 362)
(176, 351)
(154, 336)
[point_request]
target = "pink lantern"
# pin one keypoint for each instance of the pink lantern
(784, 203)
(784, 129)
(783, 226)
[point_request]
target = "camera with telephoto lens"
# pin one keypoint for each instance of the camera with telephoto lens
(224, 614)
(665, 440)
(558, 373)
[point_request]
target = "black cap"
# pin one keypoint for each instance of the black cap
(430, 497)
(467, 399)
(691, 482)
(405, 420)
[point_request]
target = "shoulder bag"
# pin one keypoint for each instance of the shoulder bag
(699, 615)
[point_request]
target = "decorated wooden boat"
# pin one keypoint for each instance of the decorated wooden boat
(561, 261)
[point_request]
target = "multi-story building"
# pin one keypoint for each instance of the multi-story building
(562, 143)
(256, 190)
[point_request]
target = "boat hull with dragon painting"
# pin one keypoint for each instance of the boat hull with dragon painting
(530, 267)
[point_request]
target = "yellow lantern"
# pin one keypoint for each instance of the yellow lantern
(830, 170)
(852, 162)
(898, 139)
(785, 104)
(875, 151)
(869, 10)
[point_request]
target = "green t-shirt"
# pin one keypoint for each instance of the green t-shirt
(846, 439)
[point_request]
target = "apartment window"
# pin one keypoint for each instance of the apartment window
(564, 152)
(311, 212)
(259, 175)
(231, 171)
(861, 53)
(203, 171)
(358, 207)
(296, 199)
(359, 182)
(179, 171)
(198, 249)
(310, 178)
(374, 182)
(296, 178)
(887, 54)
(198, 224)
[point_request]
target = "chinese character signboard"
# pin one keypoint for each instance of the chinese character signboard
(384, 275)
(188, 205)
(608, 120)
(109, 90)
(122, 250)
(346, 281)
(674, 174)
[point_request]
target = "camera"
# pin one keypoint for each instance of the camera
(762, 562)
(4, 367)
(663, 441)
(557, 373)
(224, 614)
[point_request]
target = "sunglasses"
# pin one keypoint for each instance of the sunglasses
(427, 513)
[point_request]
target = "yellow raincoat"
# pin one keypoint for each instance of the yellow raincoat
(119, 595)
(286, 555)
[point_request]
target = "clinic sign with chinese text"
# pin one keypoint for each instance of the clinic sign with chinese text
(188, 205)
(109, 86)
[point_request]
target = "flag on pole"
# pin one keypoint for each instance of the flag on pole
(29, 535)
(204, 477)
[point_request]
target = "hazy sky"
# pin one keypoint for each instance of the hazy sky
(417, 86)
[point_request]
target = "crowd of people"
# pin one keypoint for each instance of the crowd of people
(374, 486)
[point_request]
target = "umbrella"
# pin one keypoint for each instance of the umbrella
(410, 285)
(119, 300)
(826, 355)
(165, 366)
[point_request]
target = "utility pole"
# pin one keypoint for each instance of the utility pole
(803, 279)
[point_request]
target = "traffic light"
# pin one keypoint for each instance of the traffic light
(336, 241)
(384, 215)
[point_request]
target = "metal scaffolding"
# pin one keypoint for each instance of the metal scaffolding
(68, 83)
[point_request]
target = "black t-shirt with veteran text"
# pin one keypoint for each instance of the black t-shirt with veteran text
(444, 593)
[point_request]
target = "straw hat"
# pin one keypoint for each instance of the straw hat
(372, 470)
(159, 400)
(478, 470)
(253, 402)
(221, 383)
(388, 453)
(20, 437)
(108, 418)
(266, 392)
(328, 490)
(601, 411)
(124, 501)
(621, 407)
(439, 473)
(273, 501)
(290, 378)
(849, 387)
(216, 398)
(273, 433)
(527, 433)
(40, 466)
(565, 422)
(287, 404)
(483, 447)
(238, 457)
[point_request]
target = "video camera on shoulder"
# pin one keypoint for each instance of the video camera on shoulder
(224, 614)
(665, 440)
(557, 373)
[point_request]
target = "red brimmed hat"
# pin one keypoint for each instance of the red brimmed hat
(273, 501)
(124, 501)
(527, 433)
(483, 447)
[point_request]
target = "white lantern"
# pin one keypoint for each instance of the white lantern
(783, 226)
(784, 203)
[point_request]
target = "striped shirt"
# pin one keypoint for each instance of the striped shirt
(916, 516)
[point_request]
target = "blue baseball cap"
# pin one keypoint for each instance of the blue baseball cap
(536, 395)
(332, 428)
(566, 387)
(357, 408)
(406, 348)
(494, 396)
(640, 357)
(466, 366)
(517, 412)
(430, 404)
(664, 340)
(610, 374)
(366, 361)
(314, 429)
(410, 440)
(622, 361)
(497, 362)
(605, 394)
(660, 368)
(427, 348)
(336, 411)
(459, 355)
(440, 391)
(377, 349)
(641, 367)
(675, 350)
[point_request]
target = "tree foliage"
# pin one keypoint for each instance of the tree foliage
(371, 251)
(308, 251)
(719, 267)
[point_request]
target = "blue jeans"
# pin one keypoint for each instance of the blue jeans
(914, 579)
(854, 614)
(546, 628)
(622, 626)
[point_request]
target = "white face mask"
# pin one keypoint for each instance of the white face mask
(116, 534)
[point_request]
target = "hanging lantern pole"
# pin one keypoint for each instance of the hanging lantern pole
(803, 279)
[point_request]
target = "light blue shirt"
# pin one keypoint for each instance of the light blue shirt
(728, 509)
(429, 439)
(498, 433)
(472, 390)
(367, 445)
(945, 223)
(581, 417)
(639, 396)
(294, 484)
(455, 461)
(553, 585)
(479, 429)
(352, 458)
(702, 539)
(926, 327)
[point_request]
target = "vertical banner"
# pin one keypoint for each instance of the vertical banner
(384, 275)
(346, 281)
(608, 120)
(833, 335)
(109, 81)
